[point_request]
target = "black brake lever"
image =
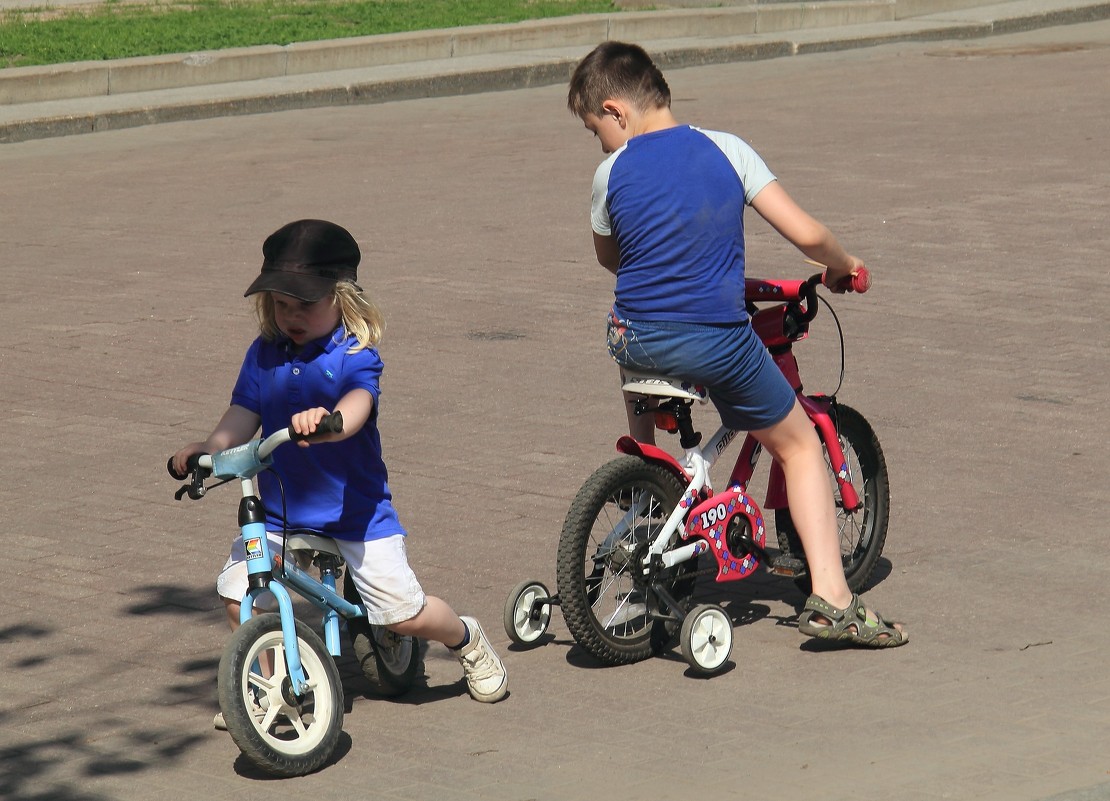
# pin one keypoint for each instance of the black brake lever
(195, 489)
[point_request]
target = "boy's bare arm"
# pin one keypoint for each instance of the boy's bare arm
(608, 254)
(807, 234)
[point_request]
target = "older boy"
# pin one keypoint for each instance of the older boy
(667, 219)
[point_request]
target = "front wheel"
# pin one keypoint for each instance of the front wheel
(390, 662)
(862, 532)
(282, 733)
(606, 604)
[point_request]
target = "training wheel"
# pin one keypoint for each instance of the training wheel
(527, 615)
(706, 639)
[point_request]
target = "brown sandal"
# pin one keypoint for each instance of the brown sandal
(856, 624)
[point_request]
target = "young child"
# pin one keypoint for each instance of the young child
(316, 354)
(667, 219)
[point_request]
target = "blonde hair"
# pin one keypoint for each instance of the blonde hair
(361, 318)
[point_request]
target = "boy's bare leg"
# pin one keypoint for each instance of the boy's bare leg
(232, 608)
(795, 445)
(641, 427)
(436, 621)
(485, 674)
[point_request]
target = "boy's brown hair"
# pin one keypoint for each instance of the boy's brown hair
(616, 70)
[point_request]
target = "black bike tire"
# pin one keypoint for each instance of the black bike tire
(574, 592)
(376, 666)
(235, 663)
(860, 564)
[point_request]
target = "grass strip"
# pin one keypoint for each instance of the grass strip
(122, 30)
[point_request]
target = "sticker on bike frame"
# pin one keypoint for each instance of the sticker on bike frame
(253, 548)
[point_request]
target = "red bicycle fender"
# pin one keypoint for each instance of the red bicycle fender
(651, 453)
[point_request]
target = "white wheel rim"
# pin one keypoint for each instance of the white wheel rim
(527, 627)
(711, 639)
(287, 729)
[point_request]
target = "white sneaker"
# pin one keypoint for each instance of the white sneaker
(486, 678)
(218, 722)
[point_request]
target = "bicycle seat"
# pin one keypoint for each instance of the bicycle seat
(663, 386)
(307, 541)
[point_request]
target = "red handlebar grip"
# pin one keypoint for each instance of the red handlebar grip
(861, 281)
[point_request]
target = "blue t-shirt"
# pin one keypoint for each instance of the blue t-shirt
(674, 200)
(337, 488)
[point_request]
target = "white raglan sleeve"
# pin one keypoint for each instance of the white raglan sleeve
(754, 173)
(599, 207)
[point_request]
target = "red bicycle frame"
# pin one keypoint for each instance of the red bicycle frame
(778, 327)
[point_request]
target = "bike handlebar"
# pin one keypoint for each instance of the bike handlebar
(759, 290)
(329, 424)
(258, 451)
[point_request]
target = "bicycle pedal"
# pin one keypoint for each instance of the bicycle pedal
(788, 566)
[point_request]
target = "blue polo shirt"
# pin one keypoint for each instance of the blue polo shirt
(674, 201)
(338, 488)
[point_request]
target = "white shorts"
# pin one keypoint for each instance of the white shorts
(379, 568)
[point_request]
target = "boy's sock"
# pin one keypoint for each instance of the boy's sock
(465, 641)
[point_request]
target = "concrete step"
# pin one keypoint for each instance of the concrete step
(68, 99)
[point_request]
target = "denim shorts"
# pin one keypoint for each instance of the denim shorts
(748, 389)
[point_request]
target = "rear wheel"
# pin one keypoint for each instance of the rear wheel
(862, 532)
(390, 662)
(613, 518)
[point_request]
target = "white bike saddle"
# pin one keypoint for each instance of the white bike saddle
(663, 386)
(304, 541)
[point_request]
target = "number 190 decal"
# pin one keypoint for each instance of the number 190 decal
(712, 516)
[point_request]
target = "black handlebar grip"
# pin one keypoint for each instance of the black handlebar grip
(176, 476)
(191, 464)
(330, 424)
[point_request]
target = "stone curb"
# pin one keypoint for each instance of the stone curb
(489, 58)
(150, 73)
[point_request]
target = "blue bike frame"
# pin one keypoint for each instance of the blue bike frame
(264, 573)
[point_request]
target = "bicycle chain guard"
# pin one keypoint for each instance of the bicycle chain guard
(710, 520)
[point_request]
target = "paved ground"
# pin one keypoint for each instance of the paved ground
(972, 176)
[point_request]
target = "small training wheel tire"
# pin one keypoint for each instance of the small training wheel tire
(706, 639)
(521, 625)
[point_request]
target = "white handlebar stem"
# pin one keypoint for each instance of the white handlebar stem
(271, 442)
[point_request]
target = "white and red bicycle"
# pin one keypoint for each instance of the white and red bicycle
(628, 552)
